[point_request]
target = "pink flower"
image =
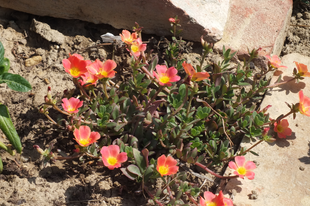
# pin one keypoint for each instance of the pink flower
(195, 76)
(304, 104)
(75, 65)
(84, 136)
(102, 70)
(167, 165)
(88, 79)
(282, 128)
(242, 168)
(210, 199)
(111, 156)
(127, 37)
(302, 70)
(275, 62)
(137, 47)
(72, 105)
(166, 76)
(172, 20)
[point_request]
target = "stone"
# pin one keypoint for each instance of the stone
(256, 24)
(33, 61)
(279, 179)
(200, 17)
(46, 32)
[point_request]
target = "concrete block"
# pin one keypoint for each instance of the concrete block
(254, 24)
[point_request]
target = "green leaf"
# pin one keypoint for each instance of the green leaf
(1, 52)
(15, 82)
(4, 66)
(254, 153)
(134, 170)
(2, 146)
(139, 159)
(115, 112)
(148, 172)
(127, 174)
(182, 90)
(7, 127)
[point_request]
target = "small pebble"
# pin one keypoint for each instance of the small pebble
(307, 15)
(299, 15)
(254, 195)
(33, 61)
(301, 168)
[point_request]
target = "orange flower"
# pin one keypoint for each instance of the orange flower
(166, 76)
(127, 37)
(210, 199)
(243, 168)
(195, 76)
(166, 165)
(88, 79)
(304, 104)
(72, 105)
(137, 47)
(111, 156)
(75, 65)
(302, 70)
(102, 70)
(282, 128)
(275, 62)
(84, 136)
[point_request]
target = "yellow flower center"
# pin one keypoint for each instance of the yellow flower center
(75, 71)
(112, 160)
(280, 128)
(84, 142)
(70, 109)
(104, 73)
(211, 204)
(164, 79)
(241, 170)
(134, 48)
(163, 170)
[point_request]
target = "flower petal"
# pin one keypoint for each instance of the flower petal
(161, 69)
(114, 150)
(232, 165)
(240, 160)
(109, 65)
(122, 157)
(250, 175)
(208, 196)
(249, 165)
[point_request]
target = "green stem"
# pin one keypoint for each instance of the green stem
(105, 89)
(190, 101)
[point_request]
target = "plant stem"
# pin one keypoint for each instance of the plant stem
(75, 81)
(191, 198)
(152, 196)
(105, 89)
(213, 173)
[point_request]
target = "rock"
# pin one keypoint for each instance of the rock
(33, 61)
(256, 24)
(198, 18)
(46, 32)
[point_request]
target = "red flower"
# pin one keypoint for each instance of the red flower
(275, 62)
(302, 70)
(84, 136)
(111, 156)
(75, 65)
(210, 199)
(243, 168)
(166, 165)
(166, 76)
(127, 37)
(304, 104)
(102, 70)
(282, 128)
(195, 76)
(72, 105)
